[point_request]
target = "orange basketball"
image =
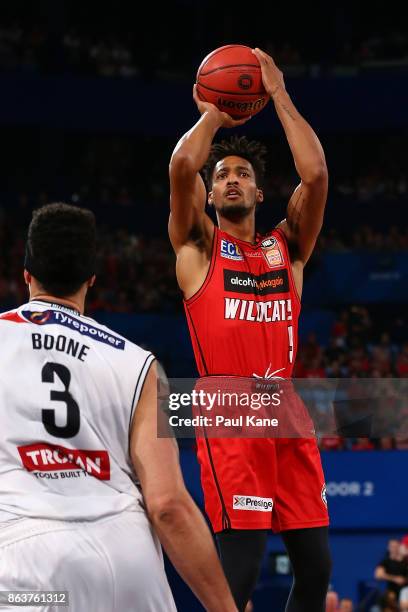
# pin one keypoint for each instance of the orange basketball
(230, 77)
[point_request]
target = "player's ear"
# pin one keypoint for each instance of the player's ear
(259, 196)
(27, 277)
(210, 198)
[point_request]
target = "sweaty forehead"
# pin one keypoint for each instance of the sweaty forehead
(233, 161)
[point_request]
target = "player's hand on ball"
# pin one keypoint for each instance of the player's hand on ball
(272, 77)
(226, 120)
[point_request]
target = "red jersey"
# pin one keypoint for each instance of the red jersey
(244, 322)
(244, 319)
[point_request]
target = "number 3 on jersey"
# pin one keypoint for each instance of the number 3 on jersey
(71, 428)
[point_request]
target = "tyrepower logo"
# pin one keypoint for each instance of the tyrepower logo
(51, 317)
(249, 502)
(264, 284)
(51, 458)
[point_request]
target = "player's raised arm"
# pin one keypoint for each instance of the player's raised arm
(188, 223)
(177, 520)
(306, 206)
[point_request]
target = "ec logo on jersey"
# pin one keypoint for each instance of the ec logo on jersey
(230, 250)
(272, 253)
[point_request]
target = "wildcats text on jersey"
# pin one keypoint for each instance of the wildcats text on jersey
(261, 312)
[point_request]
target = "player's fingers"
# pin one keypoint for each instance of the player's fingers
(237, 122)
(195, 94)
(262, 56)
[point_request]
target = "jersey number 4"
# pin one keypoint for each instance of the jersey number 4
(71, 428)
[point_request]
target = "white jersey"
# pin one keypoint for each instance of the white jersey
(68, 389)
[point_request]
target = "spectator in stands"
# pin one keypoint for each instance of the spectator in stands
(311, 349)
(314, 369)
(404, 546)
(359, 324)
(393, 568)
(362, 444)
(403, 599)
(402, 362)
(332, 443)
(401, 443)
(332, 601)
(387, 443)
(346, 605)
(389, 602)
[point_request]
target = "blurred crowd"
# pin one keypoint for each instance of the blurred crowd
(135, 273)
(392, 573)
(365, 238)
(359, 345)
(390, 591)
(368, 414)
(38, 49)
(390, 594)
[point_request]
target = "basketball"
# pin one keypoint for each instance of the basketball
(230, 77)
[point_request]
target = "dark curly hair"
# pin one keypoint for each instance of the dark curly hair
(61, 247)
(251, 150)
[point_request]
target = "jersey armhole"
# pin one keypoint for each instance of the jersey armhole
(139, 385)
(292, 280)
(210, 271)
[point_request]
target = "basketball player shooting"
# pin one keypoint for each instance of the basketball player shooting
(240, 330)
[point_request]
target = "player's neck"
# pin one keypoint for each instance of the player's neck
(73, 302)
(243, 229)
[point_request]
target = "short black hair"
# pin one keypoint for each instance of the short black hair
(251, 150)
(61, 247)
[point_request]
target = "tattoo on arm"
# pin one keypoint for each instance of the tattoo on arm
(288, 112)
(295, 213)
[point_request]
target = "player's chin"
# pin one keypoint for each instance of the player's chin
(234, 210)
(234, 202)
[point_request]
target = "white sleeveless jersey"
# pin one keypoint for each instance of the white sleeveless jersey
(68, 389)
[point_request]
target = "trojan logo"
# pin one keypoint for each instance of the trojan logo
(39, 318)
(245, 81)
(41, 457)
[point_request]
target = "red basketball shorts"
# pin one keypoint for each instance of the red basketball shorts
(262, 483)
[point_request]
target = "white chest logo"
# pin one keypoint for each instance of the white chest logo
(272, 252)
